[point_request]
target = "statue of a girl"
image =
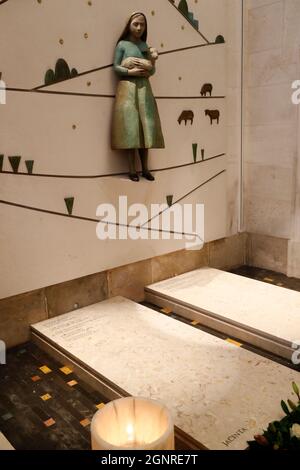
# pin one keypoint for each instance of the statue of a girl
(136, 123)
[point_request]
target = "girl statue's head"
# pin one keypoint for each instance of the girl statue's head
(136, 28)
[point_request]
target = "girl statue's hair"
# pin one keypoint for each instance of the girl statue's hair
(126, 32)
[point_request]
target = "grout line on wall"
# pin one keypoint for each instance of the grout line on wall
(241, 191)
(46, 306)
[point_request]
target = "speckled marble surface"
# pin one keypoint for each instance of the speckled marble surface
(218, 393)
(264, 307)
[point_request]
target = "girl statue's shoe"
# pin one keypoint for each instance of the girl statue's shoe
(148, 176)
(134, 177)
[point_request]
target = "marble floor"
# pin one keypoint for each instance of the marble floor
(218, 392)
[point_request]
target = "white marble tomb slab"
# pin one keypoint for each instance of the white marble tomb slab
(218, 393)
(257, 305)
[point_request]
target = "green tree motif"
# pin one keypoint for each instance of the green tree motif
(62, 70)
(183, 7)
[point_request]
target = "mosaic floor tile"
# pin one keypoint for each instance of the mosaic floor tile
(46, 397)
(166, 310)
(66, 370)
(72, 383)
(50, 422)
(100, 406)
(45, 369)
(85, 422)
(35, 378)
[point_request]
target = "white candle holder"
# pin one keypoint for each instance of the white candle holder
(133, 423)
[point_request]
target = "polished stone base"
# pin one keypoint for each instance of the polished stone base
(219, 394)
(255, 312)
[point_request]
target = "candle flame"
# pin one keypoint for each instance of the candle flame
(130, 432)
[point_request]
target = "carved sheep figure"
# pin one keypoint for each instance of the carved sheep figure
(214, 115)
(186, 116)
(207, 88)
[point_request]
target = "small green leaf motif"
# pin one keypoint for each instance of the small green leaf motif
(170, 200)
(70, 204)
(29, 165)
(195, 150)
(15, 163)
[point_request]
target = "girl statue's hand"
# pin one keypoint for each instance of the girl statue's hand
(138, 72)
(143, 63)
(146, 64)
(131, 62)
(137, 62)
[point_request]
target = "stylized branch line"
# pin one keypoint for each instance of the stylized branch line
(186, 195)
(88, 219)
(50, 92)
(157, 170)
(98, 95)
(139, 227)
(103, 67)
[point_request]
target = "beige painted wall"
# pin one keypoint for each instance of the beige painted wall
(39, 249)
